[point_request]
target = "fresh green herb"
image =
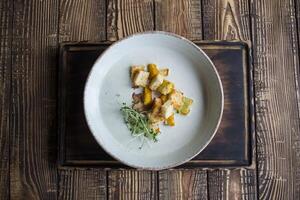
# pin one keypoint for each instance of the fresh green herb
(138, 123)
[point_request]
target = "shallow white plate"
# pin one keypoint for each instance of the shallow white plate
(108, 86)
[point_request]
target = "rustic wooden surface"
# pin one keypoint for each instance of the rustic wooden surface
(30, 33)
(276, 63)
(229, 20)
(33, 98)
(5, 91)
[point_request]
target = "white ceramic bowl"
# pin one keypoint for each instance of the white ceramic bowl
(108, 86)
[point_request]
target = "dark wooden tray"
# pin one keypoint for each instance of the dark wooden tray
(232, 145)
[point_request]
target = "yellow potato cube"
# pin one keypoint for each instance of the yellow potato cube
(153, 70)
(147, 97)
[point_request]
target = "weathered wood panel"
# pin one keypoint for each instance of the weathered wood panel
(182, 17)
(6, 11)
(125, 17)
(82, 20)
(132, 185)
(232, 184)
(297, 4)
(278, 135)
(33, 173)
(226, 20)
(82, 183)
(229, 20)
(183, 184)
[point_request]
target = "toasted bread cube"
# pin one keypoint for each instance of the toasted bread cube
(167, 109)
(177, 98)
(166, 87)
(153, 70)
(185, 107)
(156, 82)
(133, 71)
(164, 72)
(141, 78)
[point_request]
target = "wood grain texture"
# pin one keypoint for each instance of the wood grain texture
(33, 173)
(182, 17)
(82, 183)
(277, 112)
(232, 184)
(226, 20)
(82, 20)
(183, 184)
(6, 12)
(125, 17)
(297, 4)
(132, 185)
(229, 20)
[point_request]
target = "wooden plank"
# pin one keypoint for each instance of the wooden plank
(232, 184)
(82, 20)
(127, 17)
(6, 11)
(226, 20)
(297, 4)
(182, 17)
(183, 184)
(276, 63)
(229, 20)
(132, 184)
(82, 183)
(33, 173)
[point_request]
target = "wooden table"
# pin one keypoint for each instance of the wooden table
(31, 31)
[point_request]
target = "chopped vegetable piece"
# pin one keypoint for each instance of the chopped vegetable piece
(185, 108)
(170, 121)
(157, 105)
(176, 97)
(164, 72)
(138, 104)
(166, 87)
(155, 127)
(138, 123)
(164, 98)
(141, 78)
(147, 97)
(167, 109)
(153, 70)
(154, 116)
(156, 82)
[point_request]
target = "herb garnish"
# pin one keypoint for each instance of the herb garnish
(138, 123)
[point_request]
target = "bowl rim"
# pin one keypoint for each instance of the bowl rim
(219, 115)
